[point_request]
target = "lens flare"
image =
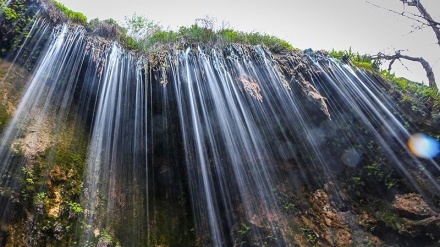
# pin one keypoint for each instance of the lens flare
(423, 146)
(351, 157)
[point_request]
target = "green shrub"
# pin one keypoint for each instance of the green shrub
(76, 17)
(356, 59)
(10, 14)
(76, 207)
(153, 34)
(419, 89)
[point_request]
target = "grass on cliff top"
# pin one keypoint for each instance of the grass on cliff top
(200, 34)
(373, 66)
(76, 17)
(414, 89)
(141, 34)
(358, 60)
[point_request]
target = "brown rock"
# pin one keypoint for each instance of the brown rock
(412, 206)
(426, 228)
(367, 221)
(57, 174)
(335, 229)
(54, 212)
(56, 200)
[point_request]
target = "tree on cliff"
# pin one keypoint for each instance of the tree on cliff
(424, 15)
(424, 19)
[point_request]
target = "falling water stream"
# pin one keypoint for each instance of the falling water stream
(222, 133)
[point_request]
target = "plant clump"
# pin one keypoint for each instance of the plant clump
(76, 17)
(361, 61)
(141, 34)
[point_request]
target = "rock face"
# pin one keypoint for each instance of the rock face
(419, 219)
(336, 231)
(10, 89)
(413, 207)
(302, 76)
(37, 138)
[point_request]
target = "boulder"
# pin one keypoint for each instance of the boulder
(412, 206)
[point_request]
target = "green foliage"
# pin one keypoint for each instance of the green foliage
(286, 202)
(356, 184)
(76, 207)
(10, 14)
(111, 21)
(424, 101)
(105, 235)
(105, 239)
(376, 169)
(130, 43)
(391, 220)
(140, 28)
(244, 229)
(311, 236)
(142, 34)
(16, 23)
(4, 116)
(413, 87)
(358, 60)
(412, 91)
(76, 17)
(195, 34)
(30, 182)
(164, 37)
(229, 35)
(15, 12)
(41, 196)
(373, 174)
(273, 43)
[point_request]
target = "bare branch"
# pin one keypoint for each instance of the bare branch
(426, 16)
(409, 2)
(207, 22)
(400, 13)
(426, 66)
(391, 64)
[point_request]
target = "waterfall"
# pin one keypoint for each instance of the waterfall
(49, 91)
(209, 146)
(116, 159)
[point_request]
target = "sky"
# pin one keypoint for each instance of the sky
(316, 24)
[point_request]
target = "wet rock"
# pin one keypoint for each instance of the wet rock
(251, 85)
(426, 228)
(57, 178)
(57, 175)
(51, 12)
(412, 206)
(367, 221)
(16, 235)
(105, 29)
(295, 70)
(38, 137)
(54, 212)
(418, 219)
(334, 229)
(3, 238)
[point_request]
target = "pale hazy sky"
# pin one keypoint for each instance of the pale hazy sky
(316, 24)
